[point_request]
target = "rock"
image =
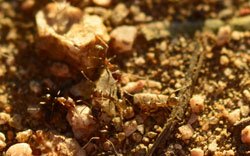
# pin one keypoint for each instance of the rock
(65, 34)
(137, 137)
(244, 110)
(4, 118)
(234, 116)
(236, 35)
(129, 113)
(82, 122)
(122, 38)
(24, 135)
(225, 13)
(224, 60)
(16, 121)
(246, 94)
(103, 3)
(197, 103)
(245, 135)
(140, 150)
(150, 102)
(134, 87)
(121, 136)
(130, 127)
(240, 23)
(51, 143)
(212, 147)
(212, 24)
(19, 149)
(197, 152)
(140, 128)
(151, 134)
(155, 30)
(107, 146)
(186, 131)
(2, 141)
(145, 140)
(223, 35)
(28, 5)
(60, 70)
(117, 122)
(119, 14)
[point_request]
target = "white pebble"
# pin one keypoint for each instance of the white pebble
(24, 135)
(19, 149)
(197, 103)
(197, 152)
(224, 60)
(123, 38)
(246, 94)
(186, 131)
(4, 118)
(245, 135)
(103, 3)
(234, 116)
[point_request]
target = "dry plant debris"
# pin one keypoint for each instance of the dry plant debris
(112, 77)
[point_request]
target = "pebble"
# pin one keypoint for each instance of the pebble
(16, 121)
(234, 116)
(186, 131)
(4, 118)
(119, 14)
(229, 153)
(223, 35)
(137, 137)
(122, 38)
(197, 103)
(82, 122)
(246, 94)
(145, 140)
(212, 24)
(239, 63)
(107, 146)
(102, 3)
(129, 113)
(212, 147)
(2, 141)
(19, 149)
(224, 60)
(140, 128)
(24, 135)
(157, 128)
(121, 136)
(236, 35)
(244, 110)
(151, 134)
(117, 123)
(134, 87)
(140, 61)
(197, 152)
(241, 23)
(245, 135)
(130, 127)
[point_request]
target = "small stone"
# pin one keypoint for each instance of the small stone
(107, 146)
(236, 35)
(157, 128)
(224, 60)
(240, 23)
(119, 14)
(239, 63)
(223, 35)
(141, 150)
(212, 24)
(121, 136)
(228, 72)
(134, 87)
(151, 134)
(229, 153)
(122, 38)
(4, 118)
(35, 87)
(212, 147)
(246, 94)
(234, 116)
(197, 152)
(137, 137)
(225, 13)
(129, 113)
(245, 135)
(16, 122)
(24, 135)
(117, 123)
(244, 110)
(186, 131)
(145, 140)
(130, 127)
(140, 61)
(197, 103)
(82, 122)
(19, 149)
(2, 141)
(140, 128)
(28, 5)
(103, 3)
